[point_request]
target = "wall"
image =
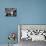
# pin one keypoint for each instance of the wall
(28, 12)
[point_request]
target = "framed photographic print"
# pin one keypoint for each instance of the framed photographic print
(32, 32)
(10, 11)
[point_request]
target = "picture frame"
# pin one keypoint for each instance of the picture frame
(10, 12)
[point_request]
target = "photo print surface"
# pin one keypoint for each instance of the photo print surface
(10, 11)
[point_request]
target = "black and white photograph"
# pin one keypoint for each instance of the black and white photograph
(10, 11)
